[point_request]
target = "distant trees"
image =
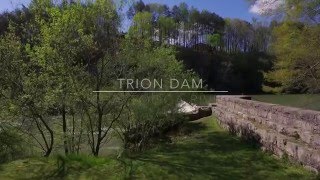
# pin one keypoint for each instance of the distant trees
(295, 43)
(297, 67)
(142, 25)
(290, 10)
(180, 25)
(241, 36)
(229, 40)
(188, 27)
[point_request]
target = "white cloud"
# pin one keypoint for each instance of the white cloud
(263, 7)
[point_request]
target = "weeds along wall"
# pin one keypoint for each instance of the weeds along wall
(284, 131)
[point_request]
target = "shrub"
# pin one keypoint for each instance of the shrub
(10, 145)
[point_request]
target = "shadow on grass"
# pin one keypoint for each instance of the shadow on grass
(214, 154)
(207, 152)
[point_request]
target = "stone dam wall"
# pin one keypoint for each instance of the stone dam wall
(284, 131)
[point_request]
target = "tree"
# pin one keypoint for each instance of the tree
(215, 40)
(297, 66)
(142, 25)
(159, 10)
(294, 42)
(137, 7)
(72, 55)
(24, 93)
(307, 11)
(147, 116)
(238, 36)
(166, 28)
(59, 54)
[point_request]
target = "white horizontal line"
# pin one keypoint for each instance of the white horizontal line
(160, 91)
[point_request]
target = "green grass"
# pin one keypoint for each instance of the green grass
(206, 152)
(301, 101)
(304, 101)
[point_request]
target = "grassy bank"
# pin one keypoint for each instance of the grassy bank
(305, 101)
(206, 152)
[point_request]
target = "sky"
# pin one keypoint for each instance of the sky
(225, 8)
(12, 4)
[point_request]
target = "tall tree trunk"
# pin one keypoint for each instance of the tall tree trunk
(64, 128)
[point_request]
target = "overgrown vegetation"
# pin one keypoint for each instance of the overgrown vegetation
(295, 45)
(57, 58)
(11, 145)
(52, 62)
(202, 151)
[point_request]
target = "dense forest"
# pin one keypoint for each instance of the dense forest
(230, 54)
(54, 55)
(280, 56)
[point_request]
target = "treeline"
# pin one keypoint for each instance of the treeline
(283, 53)
(239, 73)
(53, 56)
(198, 34)
(229, 54)
(296, 44)
(227, 41)
(188, 27)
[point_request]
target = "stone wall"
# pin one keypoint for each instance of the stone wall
(284, 131)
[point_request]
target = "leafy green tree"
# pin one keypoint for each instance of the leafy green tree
(297, 66)
(142, 26)
(292, 10)
(24, 93)
(166, 27)
(238, 36)
(215, 40)
(58, 54)
(149, 115)
(71, 56)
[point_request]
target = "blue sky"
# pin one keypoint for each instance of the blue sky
(12, 4)
(225, 8)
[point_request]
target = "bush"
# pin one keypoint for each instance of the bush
(10, 146)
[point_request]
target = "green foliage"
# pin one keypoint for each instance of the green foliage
(237, 72)
(207, 152)
(214, 40)
(292, 10)
(296, 67)
(142, 25)
(67, 164)
(11, 145)
(238, 36)
(303, 10)
(149, 115)
(166, 27)
(52, 73)
(76, 49)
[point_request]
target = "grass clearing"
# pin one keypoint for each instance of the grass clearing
(305, 101)
(207, 152)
